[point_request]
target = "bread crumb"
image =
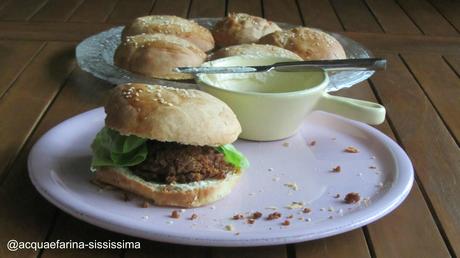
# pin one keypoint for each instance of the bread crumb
(290, 216)
(351, 149)
(175, 214)
(229, 227)
(238, 216)
(306, 210)
(274, 215)
(295, 205)
(292, 185)
(286, 223)
(193, 217)
(286, 144)
(336, 169)
(352, 197)
(250, 221)
(256, 215)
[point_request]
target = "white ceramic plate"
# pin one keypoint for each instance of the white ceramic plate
(95, 55)
(59, 169)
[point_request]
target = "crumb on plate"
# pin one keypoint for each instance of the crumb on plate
(352, 197)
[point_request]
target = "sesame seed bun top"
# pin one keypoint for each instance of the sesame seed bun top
(168, 114)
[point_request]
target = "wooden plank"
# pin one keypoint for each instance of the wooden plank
(402, 43)
(434, 152)
(320, 14)
(126, 10)
(93, 11)
(454, 63)
(68, 228)
(350, 244)
(427, 18)
(14, 57)
(250, 252)
(160, 250)
(56, 10)
(167, 7)
(409, 231)
(402, 233)
(26, 216)
(80, 93)
(30, 95)
(282, 11)
(207, 8)
(20, 10)
(392, 17)
(252, 7)
(77, 31)
(450, 10)
(441, 85)
(355, 16)
(51, 31)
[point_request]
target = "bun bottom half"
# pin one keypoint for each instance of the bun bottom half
(188, 195)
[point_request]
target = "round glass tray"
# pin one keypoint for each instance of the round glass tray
(95, 55)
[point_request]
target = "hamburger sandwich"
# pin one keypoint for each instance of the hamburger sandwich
(170, 145)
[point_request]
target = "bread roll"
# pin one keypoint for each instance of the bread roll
(171, 25)
(168, 114)
(308, 43)
(240, 28)
(179, 195)
(254, 50)
(156, 55)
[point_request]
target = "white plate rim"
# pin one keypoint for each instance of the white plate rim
(393, 198)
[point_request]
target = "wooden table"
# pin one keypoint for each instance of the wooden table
(40, 86)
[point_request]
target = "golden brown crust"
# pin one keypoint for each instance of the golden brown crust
(171, 25)
(171, 115)
(240, 28)
(183, 195)
(156, 55)
(254, 50)
(308, 43)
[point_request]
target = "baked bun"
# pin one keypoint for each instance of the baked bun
(308, 43)
(171, 25)
(156, 55)
(185, 195)
(168, 114)
(240, 28)
(254, 50)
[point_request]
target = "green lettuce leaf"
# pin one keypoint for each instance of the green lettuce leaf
(112, 149)
(233, 156)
